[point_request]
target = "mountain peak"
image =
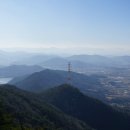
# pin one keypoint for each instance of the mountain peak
(64, 91)
(66, 87)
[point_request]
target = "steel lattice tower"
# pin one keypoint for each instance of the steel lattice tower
(69, 79)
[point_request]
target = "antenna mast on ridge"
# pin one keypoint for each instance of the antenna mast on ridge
(69, 73)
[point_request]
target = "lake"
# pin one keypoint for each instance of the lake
(4, 80)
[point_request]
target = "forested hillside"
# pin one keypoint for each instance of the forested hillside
(90, 110)
(21, 110)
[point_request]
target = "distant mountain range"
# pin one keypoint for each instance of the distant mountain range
(87, 61)
(18, 70)
(89, 64)
(59, 62)
(35, 59)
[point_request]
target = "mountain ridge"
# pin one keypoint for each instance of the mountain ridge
(97, 114)
(45, 79)
(24, 110)
(19, 70)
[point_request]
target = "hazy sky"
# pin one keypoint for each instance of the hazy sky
(66, 26)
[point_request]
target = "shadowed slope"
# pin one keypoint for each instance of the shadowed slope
(22, 110)
(92, 111)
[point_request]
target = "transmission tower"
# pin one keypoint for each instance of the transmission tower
(69, 78)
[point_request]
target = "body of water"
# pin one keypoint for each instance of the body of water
(4, 80)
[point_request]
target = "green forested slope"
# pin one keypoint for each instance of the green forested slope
(92, 111)
(22, 110)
